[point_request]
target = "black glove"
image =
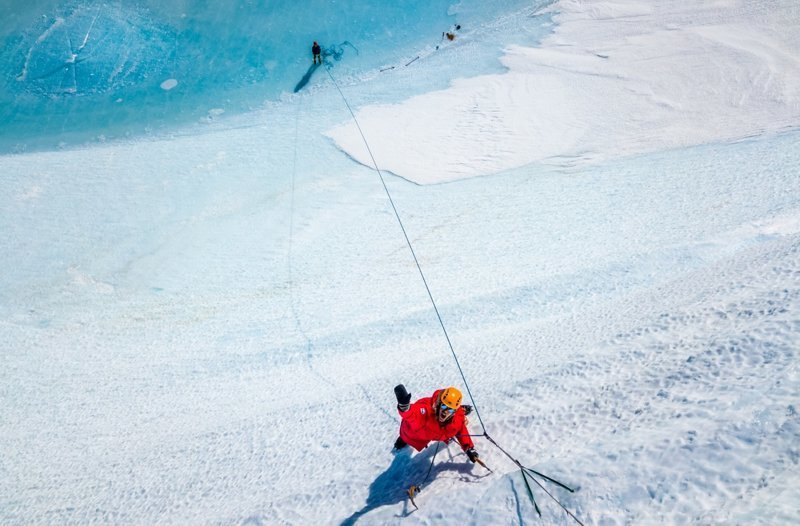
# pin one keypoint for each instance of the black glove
(403, 398)
(472, 455)
(467, 408)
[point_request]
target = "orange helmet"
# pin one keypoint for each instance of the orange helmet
(448, 403)
(451, 397)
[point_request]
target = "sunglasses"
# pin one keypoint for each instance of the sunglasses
(446, 409)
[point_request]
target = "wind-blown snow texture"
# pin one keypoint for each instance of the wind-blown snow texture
(734, 68)
(205, 327)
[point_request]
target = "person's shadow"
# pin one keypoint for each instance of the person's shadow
(391, 486)
(303, 81)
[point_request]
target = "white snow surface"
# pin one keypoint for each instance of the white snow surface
(615, 79)
(206, 328)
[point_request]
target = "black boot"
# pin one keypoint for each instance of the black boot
(399, 443)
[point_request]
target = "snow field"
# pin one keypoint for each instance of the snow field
(207, 328)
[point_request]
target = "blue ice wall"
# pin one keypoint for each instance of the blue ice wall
(79, 70)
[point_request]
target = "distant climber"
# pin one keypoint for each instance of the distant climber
(450, 35)
(438, 417)
(315, 51)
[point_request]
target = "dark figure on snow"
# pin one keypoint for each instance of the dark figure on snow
(437, 417)
(315, 51)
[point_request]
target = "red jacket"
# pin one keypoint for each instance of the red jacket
(420, 425)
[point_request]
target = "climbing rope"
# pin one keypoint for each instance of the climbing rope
(526, 472)
(290, 264)
(410, 247)
(416, 488)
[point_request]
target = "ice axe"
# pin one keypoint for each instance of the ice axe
(413, 491)
(479, 461)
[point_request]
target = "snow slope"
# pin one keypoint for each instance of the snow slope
(615, 78)
(205, 328)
